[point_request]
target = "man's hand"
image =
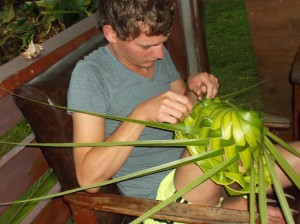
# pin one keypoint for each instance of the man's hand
(203, 83)
(169, 107)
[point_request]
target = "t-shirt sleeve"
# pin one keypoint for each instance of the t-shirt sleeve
(87, 91)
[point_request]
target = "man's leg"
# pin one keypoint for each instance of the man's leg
(293, 160)
(240, 203)
(207, 193)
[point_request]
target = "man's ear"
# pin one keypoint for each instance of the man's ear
(109, 33)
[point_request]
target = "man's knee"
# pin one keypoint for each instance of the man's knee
(208, 193)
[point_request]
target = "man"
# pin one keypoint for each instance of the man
(133, 76)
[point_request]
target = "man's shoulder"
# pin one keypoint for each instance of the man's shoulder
(95, 60)
(95, 56)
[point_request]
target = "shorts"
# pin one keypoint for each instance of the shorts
(165, 190)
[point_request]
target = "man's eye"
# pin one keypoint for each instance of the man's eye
(146, 47)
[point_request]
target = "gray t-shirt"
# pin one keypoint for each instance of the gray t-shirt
(101, 84)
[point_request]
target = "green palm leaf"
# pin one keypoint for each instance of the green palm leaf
(283, 163)
(178, 142)
(252, 196)
(279, 191)
(17, 212)
(185, 189)
(179, 127)
(152, 170)
(262, 202)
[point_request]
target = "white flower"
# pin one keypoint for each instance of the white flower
(32, 51)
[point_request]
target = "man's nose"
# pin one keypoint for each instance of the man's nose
(159, 52)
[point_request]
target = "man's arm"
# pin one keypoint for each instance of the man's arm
(96, 164)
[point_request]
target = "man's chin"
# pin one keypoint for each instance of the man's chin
(148, 65)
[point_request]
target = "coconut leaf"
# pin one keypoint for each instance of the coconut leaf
(262, 200)
(179, 142)
(155, 169)
(177, 127)
(186, 189)
(252, 201)
(282, 143)
(17, 212)
(229, 96)
(279, 191)
(281, 161)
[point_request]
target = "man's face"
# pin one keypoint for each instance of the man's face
(140, 53)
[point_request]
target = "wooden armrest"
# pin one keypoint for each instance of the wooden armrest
(131, 206)
(275, 121)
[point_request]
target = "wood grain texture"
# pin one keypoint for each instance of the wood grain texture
(275, 32)
(186, 213)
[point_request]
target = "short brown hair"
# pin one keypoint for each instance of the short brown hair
(129, 18)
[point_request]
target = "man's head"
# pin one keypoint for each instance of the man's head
(131, 18)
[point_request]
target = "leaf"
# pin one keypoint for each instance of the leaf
(186, 189)
(252, 202)
(283, 163)
(279, 191)
(178, 127)
(262, 200)
(238, 93)
(8, 13)
(155, 169)
(178, 142)
(282, 143)
(17, 212)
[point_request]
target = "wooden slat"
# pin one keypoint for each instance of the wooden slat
(41, 205)
(274, 121)
(23, 177)
(275, 32)
(14, 151)
(175, 212)
(20, 172)
(83, 215)
(56, 212)
(10, 114)
(44, 210)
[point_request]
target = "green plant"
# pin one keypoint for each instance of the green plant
(37, 21)
(16, 134)
(219, 144)
(16, 213)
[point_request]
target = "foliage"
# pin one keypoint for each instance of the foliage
(17, 134)
(237, 132)
(16, 213)
(230, 50)
(26, 21)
